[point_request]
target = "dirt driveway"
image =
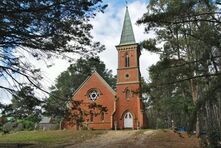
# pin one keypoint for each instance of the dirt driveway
(139, 139)
(106, 140)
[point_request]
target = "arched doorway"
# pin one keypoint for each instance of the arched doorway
(128, 120)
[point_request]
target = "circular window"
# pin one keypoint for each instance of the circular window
(93, 95)
(127, 75)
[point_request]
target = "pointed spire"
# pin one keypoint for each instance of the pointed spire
(127, 35)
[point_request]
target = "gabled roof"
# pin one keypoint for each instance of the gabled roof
(127, 35)
(45, 120)
(100, 78)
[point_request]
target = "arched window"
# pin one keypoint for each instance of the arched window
(127, 94)
(127, 60)
(102, 116)
(91, 117)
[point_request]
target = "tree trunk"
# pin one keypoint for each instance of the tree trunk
(60, 124)
(194, 89)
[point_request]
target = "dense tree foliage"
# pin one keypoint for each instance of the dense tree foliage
(68, 81)
(170, 104)
(42, 28)
(186, 81)
(24, 111)
(26, 105)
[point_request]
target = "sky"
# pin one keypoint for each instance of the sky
(107, 29)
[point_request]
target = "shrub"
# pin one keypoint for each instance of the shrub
(9, 126)
(19, 127)
(28, 125)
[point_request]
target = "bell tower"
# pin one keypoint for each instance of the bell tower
(129, 106)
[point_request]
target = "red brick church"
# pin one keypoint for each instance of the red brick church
(125, 108)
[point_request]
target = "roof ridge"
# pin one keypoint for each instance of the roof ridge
(102, 79)
(99, 76)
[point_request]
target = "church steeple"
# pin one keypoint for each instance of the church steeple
(127, 35)
(129, 108)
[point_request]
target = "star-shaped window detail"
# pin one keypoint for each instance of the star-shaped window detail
(93, 95)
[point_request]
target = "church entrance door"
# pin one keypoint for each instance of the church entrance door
(128, 120)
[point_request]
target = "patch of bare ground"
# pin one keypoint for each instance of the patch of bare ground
(106, 140)
(162, 139)
(140, 139)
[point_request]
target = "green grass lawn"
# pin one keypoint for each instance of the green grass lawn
(49, 137)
